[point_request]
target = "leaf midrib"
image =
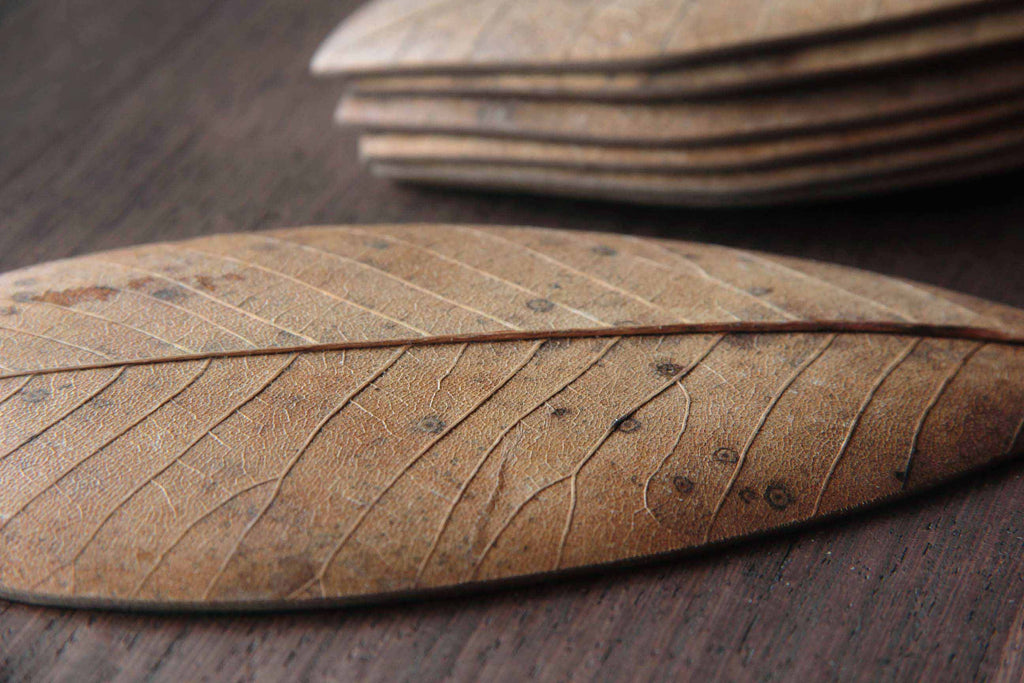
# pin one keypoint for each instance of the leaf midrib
(860, 327)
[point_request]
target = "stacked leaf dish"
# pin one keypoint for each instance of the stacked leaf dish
(725, 102)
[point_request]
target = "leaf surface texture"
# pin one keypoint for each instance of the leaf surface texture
(180, 475)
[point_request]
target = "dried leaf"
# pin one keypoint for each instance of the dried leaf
(752, 156)
(415, 35)
(885, 171)
(492, 403)
(851, 55)
(838, 108)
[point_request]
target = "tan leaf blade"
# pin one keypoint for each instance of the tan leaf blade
(844, 107)
(957, 37)
(335, 414)
(453, 35)
(754, 156)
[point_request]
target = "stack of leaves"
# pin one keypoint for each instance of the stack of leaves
(683, 101)
(332, 414)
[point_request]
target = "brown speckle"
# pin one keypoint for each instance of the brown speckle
(8, 311)
(431, 424)
(668, 369)
(778, 496)
(726, 456)
(140, 283)
(209, 282)
(748, 495)
(561, 412)
(539, 305)
(206, 282)
(379, 244)
(682, 485)
(603, 250)
(760, 291)
(76, 295)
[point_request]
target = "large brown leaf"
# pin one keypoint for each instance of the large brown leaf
(432, 35)
(493, 403)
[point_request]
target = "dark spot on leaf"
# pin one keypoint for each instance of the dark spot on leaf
(8, 311)
(901, 475)
(691, 256)
(629, 425)
(169, 295)
(760, 291)
(683, 485)
(539, 305)
(778, 496)
(668, 369)
(560, 412)
(37, 395)
(76, 295)
(602, 250)
(748, 495)
(206, 282)
(379, 244)
(726, 456)
(139, 283)
(431, 424)
(22, 297)
(209, 282)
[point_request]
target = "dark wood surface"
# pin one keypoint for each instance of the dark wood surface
(123, 122)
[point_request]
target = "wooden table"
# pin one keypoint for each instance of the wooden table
(124, 122)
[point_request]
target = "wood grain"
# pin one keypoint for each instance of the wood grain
(192, 137)
(432, 35)
(933, 44)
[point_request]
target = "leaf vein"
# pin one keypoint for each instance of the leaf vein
(758, 428)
